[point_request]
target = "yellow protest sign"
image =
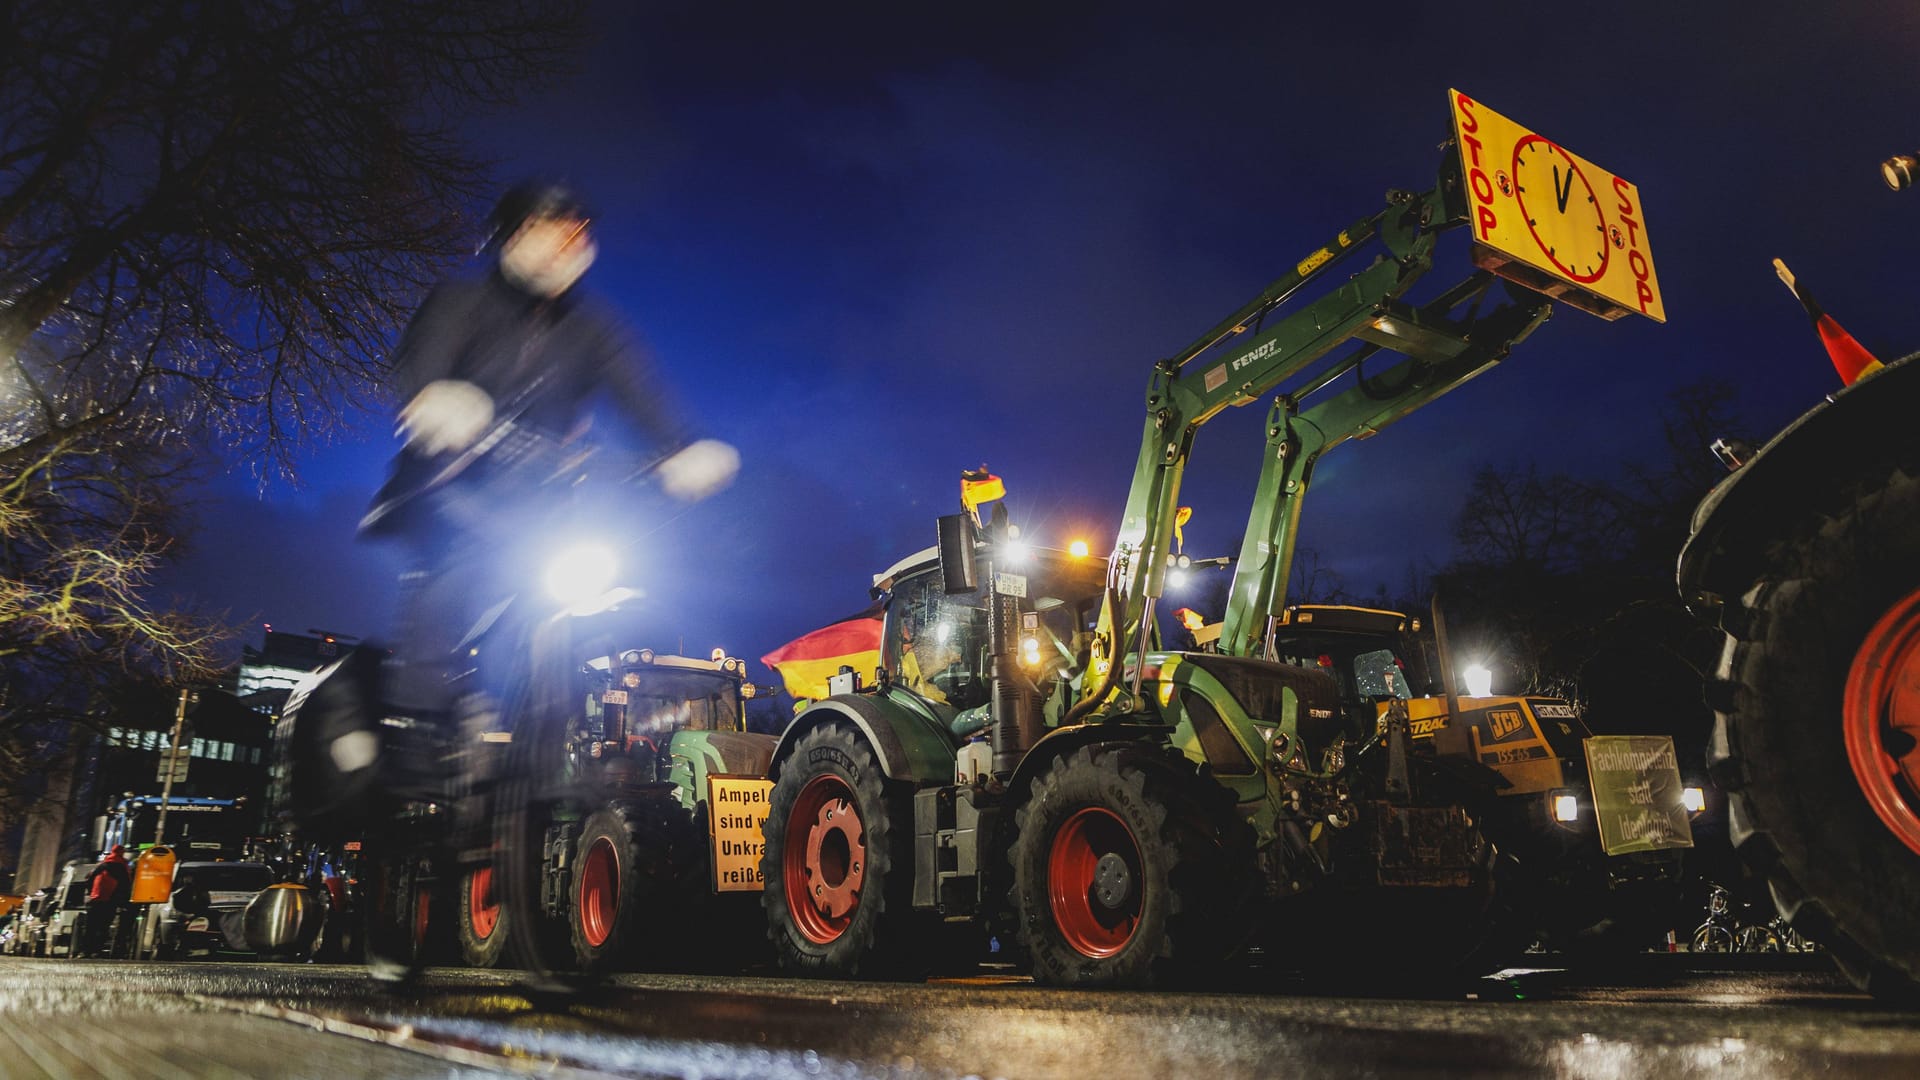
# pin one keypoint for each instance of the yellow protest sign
(736, 824)
(1551, 220)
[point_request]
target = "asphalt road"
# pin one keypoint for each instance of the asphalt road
(1666, 1016)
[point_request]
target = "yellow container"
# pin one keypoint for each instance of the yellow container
(153, 875)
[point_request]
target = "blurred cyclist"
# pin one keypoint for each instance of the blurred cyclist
(521, 347)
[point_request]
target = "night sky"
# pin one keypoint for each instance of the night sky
(874, 250)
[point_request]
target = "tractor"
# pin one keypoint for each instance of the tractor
(626, 866)
(1030, 769)
(1807, 558)
(1587, 891)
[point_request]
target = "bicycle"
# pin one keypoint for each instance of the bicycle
(429, 798)
(1717, 934)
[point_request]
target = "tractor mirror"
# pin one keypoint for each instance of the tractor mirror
(958, 575)
(1378, 675)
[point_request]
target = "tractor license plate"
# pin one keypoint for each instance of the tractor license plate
(613, 697)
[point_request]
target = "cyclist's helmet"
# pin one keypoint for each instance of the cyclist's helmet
(531, 199)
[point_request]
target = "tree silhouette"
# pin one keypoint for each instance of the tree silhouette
(213, 216)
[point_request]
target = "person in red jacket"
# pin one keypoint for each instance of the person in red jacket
(107, 891)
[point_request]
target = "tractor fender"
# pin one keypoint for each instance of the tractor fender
(696, 755)
(909, 747)
(1063, 741)
(1866, 424)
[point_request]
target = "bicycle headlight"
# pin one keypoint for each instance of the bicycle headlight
(1694, 799)
(1566, 808)
(581, 575)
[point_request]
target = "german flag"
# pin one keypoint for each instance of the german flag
(1850, 358)
(978, 487)
(806, 662)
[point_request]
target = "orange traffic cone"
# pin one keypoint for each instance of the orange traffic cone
(1850, 358)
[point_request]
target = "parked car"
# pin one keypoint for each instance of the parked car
(207, 909)
(29, 927)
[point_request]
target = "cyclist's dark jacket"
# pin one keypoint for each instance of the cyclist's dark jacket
(540, 359)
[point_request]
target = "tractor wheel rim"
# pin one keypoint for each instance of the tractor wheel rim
(422, 913)
(826, 870)
(1094, 929)
(483, 908)
(1881, 720)
(599, 892)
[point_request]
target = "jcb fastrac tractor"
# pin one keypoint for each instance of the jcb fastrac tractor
(1030, 763)
(663, 827)
(1583, 885)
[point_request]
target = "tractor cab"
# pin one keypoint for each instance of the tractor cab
(937, 644)
(640, 702)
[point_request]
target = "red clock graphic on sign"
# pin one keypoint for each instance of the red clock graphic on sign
(1561, 208)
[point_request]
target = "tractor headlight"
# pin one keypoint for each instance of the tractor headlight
(1694, 799)
(1566, 807)
(1030, 651)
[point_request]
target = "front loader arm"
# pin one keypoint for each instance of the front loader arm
(1295, 440)
(1440, 350)
(1190, 389)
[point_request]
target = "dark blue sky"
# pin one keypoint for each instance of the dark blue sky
(874, 250)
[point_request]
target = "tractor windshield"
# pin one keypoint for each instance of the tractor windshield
(937, 646)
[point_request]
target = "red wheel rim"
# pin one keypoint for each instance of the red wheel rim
(422, 913)
(1091, 927)
(483, 908)
(599, 892)
(824, 864)
(1882, 719)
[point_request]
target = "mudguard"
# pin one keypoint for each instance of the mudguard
(1063, 741)
(1870, 421)
(338, 704)
(909, 744)
(697, 755)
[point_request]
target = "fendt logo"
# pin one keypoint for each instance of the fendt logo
(1504, 722)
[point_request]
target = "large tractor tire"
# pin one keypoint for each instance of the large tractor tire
(838, 863)
(484, 923)
(635, 870)
(1817, 730)
(1118, 880)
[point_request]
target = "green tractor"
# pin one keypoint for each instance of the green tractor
(663, 765)
(1807, 557)
(1030, 765)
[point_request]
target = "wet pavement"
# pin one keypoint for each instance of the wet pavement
(1668, 1016)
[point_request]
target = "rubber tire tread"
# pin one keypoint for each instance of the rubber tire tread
(1182, 937)
(653, 847)
(880, 942)
(1796, 813)
(477, 951)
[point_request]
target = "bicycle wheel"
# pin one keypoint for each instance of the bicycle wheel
(396, 904)
(1713, 938)
(1757, 939)
(535, 784)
